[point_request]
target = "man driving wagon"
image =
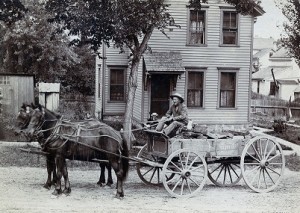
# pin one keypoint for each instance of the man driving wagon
(175, 118)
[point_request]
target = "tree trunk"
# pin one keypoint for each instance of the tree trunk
(132, 85)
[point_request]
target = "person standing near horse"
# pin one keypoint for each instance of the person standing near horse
(175, 117)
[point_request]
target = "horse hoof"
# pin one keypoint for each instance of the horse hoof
(100, 184)
(47, 186)
(119, 196)
(57, 192)
(67, 191)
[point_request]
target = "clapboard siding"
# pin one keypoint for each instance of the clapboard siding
(212, 56)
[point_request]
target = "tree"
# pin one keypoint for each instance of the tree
(33, 45)
(129, 24)
(11, 11)
(291, 39)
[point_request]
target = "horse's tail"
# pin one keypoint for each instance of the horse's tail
(125, 160)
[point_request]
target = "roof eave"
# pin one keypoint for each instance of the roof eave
(258, 11)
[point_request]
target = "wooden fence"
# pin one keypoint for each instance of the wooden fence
(275, 108)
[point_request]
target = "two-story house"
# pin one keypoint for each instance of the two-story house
(285, 70)
(208, 60)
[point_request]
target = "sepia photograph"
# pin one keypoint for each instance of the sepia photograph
(149, 106)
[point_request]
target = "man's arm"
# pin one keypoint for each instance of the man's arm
(183, 115)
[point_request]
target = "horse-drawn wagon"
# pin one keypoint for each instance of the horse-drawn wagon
(181, 164)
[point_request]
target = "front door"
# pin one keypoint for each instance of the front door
(160, 93)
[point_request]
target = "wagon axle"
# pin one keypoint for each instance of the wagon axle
(185, 173)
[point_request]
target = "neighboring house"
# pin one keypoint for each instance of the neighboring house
(286, 73)
(16, 89)
(263, 43)
(207, 60)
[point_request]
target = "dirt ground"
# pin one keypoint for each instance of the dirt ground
(21, 191)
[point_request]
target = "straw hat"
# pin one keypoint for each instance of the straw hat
(176, 94)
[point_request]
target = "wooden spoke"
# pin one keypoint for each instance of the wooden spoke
(262, 174)
(191, 176)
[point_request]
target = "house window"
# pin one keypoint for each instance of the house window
(230, 28)
(227, 89)
(4, 80)
(117, 84)
(195, 89)
(196, 27)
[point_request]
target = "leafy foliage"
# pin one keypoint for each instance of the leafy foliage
(11, 11)
(244, 7)
(90, 20)
(291, 40)
(33, 45)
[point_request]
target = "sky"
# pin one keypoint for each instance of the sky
(266, 25)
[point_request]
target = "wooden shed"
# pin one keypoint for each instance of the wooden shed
(49, 95)
(15, 90)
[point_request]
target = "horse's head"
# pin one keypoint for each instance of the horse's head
(37, 119)
(23, 118)
(29, 119)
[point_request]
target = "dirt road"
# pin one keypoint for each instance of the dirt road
(22, 176)
(21, 191)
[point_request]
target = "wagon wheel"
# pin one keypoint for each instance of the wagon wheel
(190, 170)
(262, 164)
(149, 174)
(226, 173)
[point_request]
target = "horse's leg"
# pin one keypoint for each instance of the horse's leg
(101, 181)
(67, 189)
(54, 179)
(59, 161)
(109, 176)
(119, 173)
(49, 162)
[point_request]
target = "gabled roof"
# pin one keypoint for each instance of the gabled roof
(262, 52)
(164, 62)
(291, 82)
(281, 53)
(280, 73)
(297, 89)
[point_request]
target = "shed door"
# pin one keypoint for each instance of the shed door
(160, 93)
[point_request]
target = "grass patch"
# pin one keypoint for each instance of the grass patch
(293, 162)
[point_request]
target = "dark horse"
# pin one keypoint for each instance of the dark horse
(72, 141)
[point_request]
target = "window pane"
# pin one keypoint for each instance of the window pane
(195, 89)
(228, 81)
(228, 88)
(230, 28)
(117, 76)
(195, 98)
(117, 84)
(197, 27)
(229, 37)
(230, 20)
(117, 92)
(227, 99)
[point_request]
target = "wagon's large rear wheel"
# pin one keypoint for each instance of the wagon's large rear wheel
(262, 164)
(189, 170)
(226, 172)
(151, 175)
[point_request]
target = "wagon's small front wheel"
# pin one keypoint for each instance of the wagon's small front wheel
(151, 175)
(225, 173)
(189, 170)
(262, 164)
